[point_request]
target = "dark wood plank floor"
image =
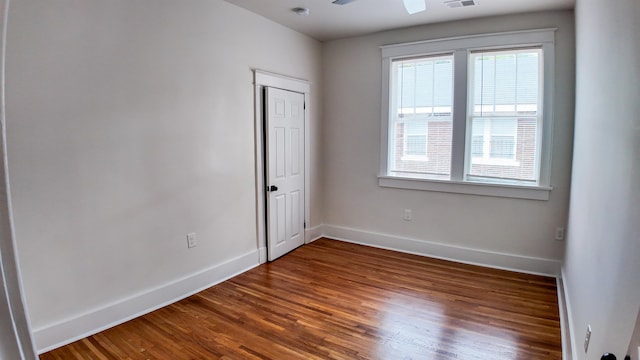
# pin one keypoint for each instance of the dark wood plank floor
(334, 300)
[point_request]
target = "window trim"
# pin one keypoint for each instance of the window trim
(461, 47)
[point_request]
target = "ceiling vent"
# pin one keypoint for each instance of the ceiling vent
(460, 3)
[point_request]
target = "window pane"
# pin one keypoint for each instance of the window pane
(477, 145)
(416, 145)
(503, 148)
(407, 76)
(420, 118)
(527, 75)
(477, 138)
(416, 138)
(443, 83)
(506, 82)
(503, 127)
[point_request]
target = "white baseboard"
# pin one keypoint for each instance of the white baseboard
(314, 233)
(568, 333)
(52, 336)
(564, 324)
(512, 262)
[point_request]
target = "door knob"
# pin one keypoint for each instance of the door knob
(272, 188)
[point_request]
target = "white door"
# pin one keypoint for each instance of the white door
(285, 171)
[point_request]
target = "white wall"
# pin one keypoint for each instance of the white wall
(602, 260)
(131, 124)
(15, 336)
(352, 82)
(634, 344)
(9, 345)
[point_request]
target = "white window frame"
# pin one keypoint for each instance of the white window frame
(462, 47)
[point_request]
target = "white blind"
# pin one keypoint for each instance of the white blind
(425, 85)
(506, 81)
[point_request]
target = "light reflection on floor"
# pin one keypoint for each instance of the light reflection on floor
(435, 333)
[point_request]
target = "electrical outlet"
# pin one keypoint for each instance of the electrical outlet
(559, 233)
(587, 338)
(408, 216)
(191, 240)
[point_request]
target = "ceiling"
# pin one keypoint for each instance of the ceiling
(328, 21)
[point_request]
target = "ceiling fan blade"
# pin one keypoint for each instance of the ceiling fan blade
(342, 2)
(414, 6)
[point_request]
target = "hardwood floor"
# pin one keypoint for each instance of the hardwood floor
(335, 300)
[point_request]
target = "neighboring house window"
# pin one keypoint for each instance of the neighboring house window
(415, 139)
(470, 114)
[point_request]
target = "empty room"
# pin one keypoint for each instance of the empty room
(319, 179)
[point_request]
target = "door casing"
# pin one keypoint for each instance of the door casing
(264, 79)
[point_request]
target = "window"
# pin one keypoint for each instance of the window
(421, 121)
(469, 114)
(504, 115)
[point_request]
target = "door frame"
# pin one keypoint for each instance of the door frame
(262, 79)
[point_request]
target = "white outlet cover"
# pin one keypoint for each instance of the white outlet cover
(587, 339)
(191, 240)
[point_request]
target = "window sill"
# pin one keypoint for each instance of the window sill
(467, 187)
